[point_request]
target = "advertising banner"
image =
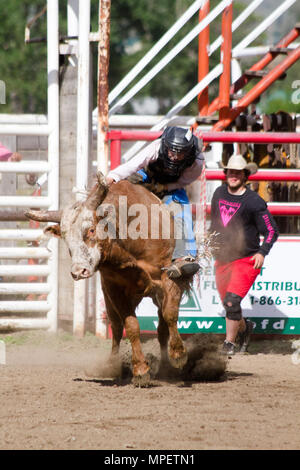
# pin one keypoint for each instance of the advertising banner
(273, 302)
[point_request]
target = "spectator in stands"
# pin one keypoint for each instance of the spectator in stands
(7, 155)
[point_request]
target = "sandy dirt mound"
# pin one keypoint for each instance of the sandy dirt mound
(48, 402)
(204, 361)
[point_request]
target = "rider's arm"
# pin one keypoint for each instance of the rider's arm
(141, 160)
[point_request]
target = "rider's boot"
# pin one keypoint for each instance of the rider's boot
(183, 267)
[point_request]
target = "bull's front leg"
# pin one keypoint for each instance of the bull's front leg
(170, 309)
(140, 367)
(116, 322)
(116, 304)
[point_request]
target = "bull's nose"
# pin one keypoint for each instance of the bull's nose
(82, 273)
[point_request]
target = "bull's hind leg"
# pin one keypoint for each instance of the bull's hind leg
(163, 337)
(117, 333)
(170, 307)
(165, 367)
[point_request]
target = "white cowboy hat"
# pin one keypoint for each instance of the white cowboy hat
(237, 162)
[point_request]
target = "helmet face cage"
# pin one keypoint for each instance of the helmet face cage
(177, 147)
(175, 140)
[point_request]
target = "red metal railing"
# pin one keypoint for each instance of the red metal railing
(289, 209)
(260, 65)
(226, 137)
(258, 89)
(261, 175)
(203, 59)
(225, 77)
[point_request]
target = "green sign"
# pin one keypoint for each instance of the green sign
(272, 303)
(191, 325)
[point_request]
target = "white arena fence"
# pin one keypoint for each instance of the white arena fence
(20, 279)
(25, 313)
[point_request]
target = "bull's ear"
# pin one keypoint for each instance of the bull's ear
(53, 231)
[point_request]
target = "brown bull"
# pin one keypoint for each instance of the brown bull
(131, 267)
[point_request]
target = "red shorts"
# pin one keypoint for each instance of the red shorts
(236, 277)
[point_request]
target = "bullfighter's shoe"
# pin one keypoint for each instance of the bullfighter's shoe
(228, 348)
(182, 267)
(243, 338)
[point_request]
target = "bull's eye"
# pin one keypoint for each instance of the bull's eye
(90, 234)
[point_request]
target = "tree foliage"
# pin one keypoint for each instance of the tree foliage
(135, 27)
(23, 67)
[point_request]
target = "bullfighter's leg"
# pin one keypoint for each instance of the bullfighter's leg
(170, 308)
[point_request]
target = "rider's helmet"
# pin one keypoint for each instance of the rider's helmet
(178, 141)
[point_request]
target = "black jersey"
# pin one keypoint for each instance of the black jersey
(240, 220)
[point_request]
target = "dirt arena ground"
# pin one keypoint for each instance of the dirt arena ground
(49, 402)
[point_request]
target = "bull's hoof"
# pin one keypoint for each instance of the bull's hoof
(178, 360)
(141, 381)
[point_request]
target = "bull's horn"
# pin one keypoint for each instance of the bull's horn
(43, 216)
(98, 192)
(101, 178)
